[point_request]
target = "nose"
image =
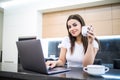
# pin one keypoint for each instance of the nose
(72, 28)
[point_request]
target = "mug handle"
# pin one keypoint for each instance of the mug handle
(106, 69)
(85, 69)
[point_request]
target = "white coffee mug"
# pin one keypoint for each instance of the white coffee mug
(96, 69)
(85, 30)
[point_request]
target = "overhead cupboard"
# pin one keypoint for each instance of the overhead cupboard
(104, 18)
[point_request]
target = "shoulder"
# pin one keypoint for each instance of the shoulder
(66, 38)
(65, 42)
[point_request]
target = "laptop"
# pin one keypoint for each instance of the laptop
(32, 58)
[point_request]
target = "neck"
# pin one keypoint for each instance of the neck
(78, 39)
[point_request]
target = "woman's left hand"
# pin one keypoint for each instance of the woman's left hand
(90, 34)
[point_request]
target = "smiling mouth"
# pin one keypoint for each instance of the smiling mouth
(73, 32)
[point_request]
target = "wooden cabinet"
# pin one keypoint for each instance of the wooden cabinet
(116, 19)
(105, 20)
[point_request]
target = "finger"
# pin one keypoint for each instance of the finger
(90, 32)
(90, 28)
(48, 63)
(52, 66)
(90, 36)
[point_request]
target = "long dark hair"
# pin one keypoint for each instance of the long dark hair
(72, 38)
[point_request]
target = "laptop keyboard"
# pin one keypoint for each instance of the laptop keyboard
(56, 69)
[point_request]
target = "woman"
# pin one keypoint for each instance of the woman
(77, 50)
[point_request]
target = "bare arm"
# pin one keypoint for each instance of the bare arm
(89, 55)
(91, 50)
(61, 61)
(62, 58)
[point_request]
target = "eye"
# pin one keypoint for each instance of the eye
(69, 26)
(74, 24)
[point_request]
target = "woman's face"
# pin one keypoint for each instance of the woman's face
(74, 27)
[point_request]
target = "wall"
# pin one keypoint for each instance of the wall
(1, 27)
(26, 20)
(17, 22)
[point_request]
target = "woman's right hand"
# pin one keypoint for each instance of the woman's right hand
(52, 64)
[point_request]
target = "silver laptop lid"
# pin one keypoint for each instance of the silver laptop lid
(31, 55)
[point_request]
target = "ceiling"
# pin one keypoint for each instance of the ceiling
(2, 1)
(6, 3)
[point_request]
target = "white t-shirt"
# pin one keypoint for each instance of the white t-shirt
(75, 59)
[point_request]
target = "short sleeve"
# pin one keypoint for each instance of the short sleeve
(65, 43)
(95, 44)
